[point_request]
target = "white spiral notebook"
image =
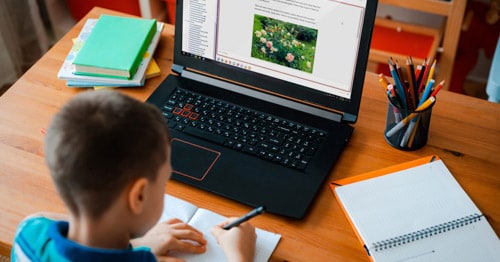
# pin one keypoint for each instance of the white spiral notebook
(420, 213)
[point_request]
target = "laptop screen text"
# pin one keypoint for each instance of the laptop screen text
(308, 43)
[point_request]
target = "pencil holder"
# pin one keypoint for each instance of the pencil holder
(407, 130)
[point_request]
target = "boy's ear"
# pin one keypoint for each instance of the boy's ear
(137, 195)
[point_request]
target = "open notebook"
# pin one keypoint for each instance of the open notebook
(203, 220)
(418, 213)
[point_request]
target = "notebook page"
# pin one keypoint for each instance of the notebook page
(405, 202)
(473, 242)
(204, 220)
(177, 208)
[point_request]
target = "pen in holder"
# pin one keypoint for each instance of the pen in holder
(408, 130)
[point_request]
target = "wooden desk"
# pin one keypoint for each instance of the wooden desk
(465, 133)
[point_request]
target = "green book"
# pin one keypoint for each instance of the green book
(115, 47)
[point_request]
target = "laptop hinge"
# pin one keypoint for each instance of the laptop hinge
(350, 118)
(262, 96)
(177, 68)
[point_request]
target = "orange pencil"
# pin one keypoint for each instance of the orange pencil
(383, 81)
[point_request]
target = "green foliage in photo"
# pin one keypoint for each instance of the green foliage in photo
(284, 43)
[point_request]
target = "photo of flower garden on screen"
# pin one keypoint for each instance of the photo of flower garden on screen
(284, 43)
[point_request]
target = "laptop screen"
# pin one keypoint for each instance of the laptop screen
(314, 52)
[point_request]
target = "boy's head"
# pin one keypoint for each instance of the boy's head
(99, 143)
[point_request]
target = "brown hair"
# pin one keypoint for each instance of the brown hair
(99, 143)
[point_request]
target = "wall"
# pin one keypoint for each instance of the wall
(27, 32)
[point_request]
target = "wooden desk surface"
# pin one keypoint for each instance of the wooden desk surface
(465, 133)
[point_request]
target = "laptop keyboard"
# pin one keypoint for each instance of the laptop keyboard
(266, 136)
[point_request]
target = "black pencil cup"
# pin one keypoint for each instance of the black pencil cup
(412, 135)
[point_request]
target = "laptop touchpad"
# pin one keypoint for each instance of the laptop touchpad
(192, 160)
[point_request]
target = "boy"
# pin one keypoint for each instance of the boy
(109, 156)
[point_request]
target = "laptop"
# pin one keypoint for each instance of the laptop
(264, 96)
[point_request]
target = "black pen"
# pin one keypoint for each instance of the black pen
(253, 213)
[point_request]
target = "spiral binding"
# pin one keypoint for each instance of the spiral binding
(425, 233)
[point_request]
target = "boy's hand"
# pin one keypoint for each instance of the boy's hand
(238, 243)
(172, 235)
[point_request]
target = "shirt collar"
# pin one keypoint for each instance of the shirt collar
(76, 252)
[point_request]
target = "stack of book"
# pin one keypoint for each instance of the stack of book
(112, 51)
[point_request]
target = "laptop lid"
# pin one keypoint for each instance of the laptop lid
(292, 65)
(310, 52)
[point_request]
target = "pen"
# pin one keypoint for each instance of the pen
(407, 119)
(253, 213)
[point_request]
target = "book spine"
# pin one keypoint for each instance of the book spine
(143, 50)
(425, 233)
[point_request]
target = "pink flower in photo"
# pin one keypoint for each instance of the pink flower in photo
(269, 44)
(289, 57)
